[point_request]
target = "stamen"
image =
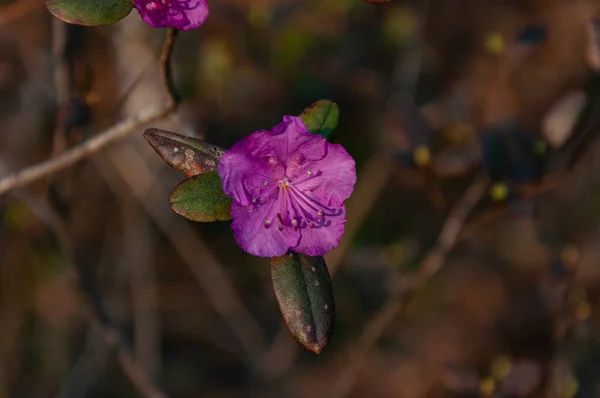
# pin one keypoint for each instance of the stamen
(320, 213)
(284, 182)
(281, 221)
(267, 223)
(312, 203)
(309, 173)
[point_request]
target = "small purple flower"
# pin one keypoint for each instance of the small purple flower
(288, 188)
(180, 14)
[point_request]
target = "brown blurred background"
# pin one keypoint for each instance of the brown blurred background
(95, 268)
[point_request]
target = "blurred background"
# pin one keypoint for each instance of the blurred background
(105, 292)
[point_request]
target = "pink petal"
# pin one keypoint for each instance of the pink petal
(332, 178)
(244, 176)
(320, 240)
(180, 14)
(290, 141)
(254, 237)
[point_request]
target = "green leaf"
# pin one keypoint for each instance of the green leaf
(303, 289)
(90, 12)
(201, 198)
(321, 117)
(188, 154)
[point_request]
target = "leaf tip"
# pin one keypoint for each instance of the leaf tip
(314, 347)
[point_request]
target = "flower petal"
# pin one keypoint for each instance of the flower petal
(332, 178)
(243, 175)
(254, 236)
(290, 141)
(322, 239)
(180, 14)
(288, 188)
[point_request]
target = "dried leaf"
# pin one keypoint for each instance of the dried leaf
(188, 154)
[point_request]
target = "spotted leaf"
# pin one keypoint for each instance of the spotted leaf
(188, 154)
(303, 289)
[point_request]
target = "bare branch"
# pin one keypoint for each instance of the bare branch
(80, 152)
(103, 139)
(99, 313)
(165, 62)
(401, 297)
(208, 271)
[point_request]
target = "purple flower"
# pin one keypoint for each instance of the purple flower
(288, 188)
(180, 14)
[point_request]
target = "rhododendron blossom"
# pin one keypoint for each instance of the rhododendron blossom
(288, 188)
(180, 14)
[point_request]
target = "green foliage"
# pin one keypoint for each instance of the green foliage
(303, 289)
(321, 117)
(90, 12)
(201, 198)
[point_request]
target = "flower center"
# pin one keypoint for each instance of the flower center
(296, 207)
(284, 182)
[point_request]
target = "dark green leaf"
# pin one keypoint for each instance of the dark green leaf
(188, 154)
(321, 117)
(303, 289)
(90, 12)
(201, 198)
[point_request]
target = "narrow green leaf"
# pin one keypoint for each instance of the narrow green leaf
(321, 117)
(90, 12)
(188, 154)
(303, 289)
(201, 198)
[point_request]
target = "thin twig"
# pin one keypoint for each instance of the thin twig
(401, 297)
(90, 147)
(205, 267)
(140, 241)
(165, 60)
(104, 138)
(112, 335)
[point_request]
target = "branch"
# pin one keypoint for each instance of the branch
(165, 61)
(99, 313)
(401, 297)
(80, 152)
(103, 139)
(130, 366)
(207, 270)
